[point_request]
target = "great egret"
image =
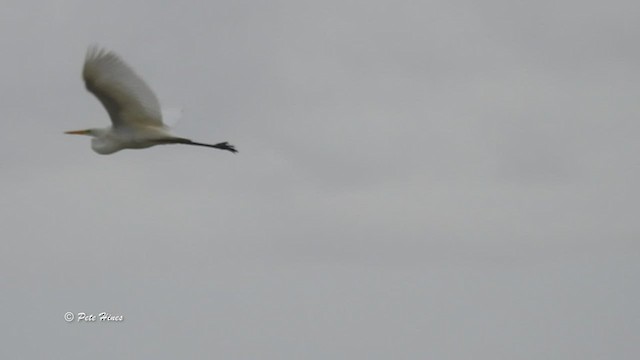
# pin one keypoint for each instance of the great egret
(133, 107)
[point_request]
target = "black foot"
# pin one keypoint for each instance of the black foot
(226, 146)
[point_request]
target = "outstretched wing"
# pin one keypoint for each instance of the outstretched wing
(127, 98)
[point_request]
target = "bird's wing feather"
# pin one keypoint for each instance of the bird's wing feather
(127, 98)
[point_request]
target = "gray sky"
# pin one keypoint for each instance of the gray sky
(416, 179)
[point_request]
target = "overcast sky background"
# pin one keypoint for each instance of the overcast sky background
(416, 180)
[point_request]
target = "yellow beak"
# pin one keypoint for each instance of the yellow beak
(77, 132)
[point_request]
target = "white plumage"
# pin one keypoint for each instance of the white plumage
(132, 106)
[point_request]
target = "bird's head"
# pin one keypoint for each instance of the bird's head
(101, 141)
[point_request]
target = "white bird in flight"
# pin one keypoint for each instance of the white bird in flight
(133, 107)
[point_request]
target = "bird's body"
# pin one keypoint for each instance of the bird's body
(111, 139)
(132, 106)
